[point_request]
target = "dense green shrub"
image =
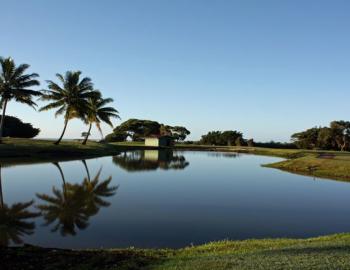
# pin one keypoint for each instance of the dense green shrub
(14, 127)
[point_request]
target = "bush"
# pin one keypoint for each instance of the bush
(14, 127)
(116, 137)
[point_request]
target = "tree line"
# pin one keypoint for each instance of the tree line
(334, 137)
(228, 137)
(73, 96)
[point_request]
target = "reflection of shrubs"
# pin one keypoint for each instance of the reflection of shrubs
(14, 127)
(139, 161)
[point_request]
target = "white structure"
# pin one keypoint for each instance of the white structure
(160, 141)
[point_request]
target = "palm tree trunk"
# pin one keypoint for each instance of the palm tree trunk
(87, 169)
(87, 134)
(64, 130)
(63, 179)
(3, 120)
(1, 195)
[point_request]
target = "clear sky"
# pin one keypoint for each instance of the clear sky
(266, 68)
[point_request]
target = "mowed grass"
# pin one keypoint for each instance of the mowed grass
(327, 164)
(317, 163)
(334, 166)
(18, 150)
(327, 252)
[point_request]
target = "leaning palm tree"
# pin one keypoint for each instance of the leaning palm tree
(97, 113)
(15, 85)
(70, 99)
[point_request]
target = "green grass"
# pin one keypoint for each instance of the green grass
(317, 163)
(327, 164)
(16, 150)
(336, 167)
(327, 252)
(35, 150)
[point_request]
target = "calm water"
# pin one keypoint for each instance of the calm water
(165, 199)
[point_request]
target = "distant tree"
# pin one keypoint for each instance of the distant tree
(180, 133)
(341, 133)
(71, 99)
(116, 137)
(177, 132)
(97, 112)
(221, 138)
(334, 137)
(277, 145)
(325, 139)
(137, 129)
(239, 141)
(212, 138)
(306, 139)
(250, 143)
(14, 127)
(229, 137)
(15, 85)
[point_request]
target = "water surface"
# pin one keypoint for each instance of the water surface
(165, 199)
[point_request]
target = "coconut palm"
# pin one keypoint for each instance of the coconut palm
(15, 85)
(14, 220)
(70, 99)
(97, 113)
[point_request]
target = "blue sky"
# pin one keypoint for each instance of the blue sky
(266, 68)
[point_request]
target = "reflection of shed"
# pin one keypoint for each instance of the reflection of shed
(158, 155)
(159, 141)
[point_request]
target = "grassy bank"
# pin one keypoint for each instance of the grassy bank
(324, 164)
(328, 252)
(327, 164)
(30, 151)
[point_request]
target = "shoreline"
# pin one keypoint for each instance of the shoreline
(314, 163)
(330, 252)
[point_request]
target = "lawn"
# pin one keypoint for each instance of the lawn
(317, 163)
(327, 252)
(327, 164)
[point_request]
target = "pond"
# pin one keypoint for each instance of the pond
(164, 199)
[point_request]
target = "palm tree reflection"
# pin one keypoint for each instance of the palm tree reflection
(14, 220)
(71, 208)
(96, 190)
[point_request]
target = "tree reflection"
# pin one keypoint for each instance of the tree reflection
(69, 209)
(150, 160)
(14, 220)
(96, 190)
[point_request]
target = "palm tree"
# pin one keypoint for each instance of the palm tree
(71, 99)
(97, 113)
(14, 85)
